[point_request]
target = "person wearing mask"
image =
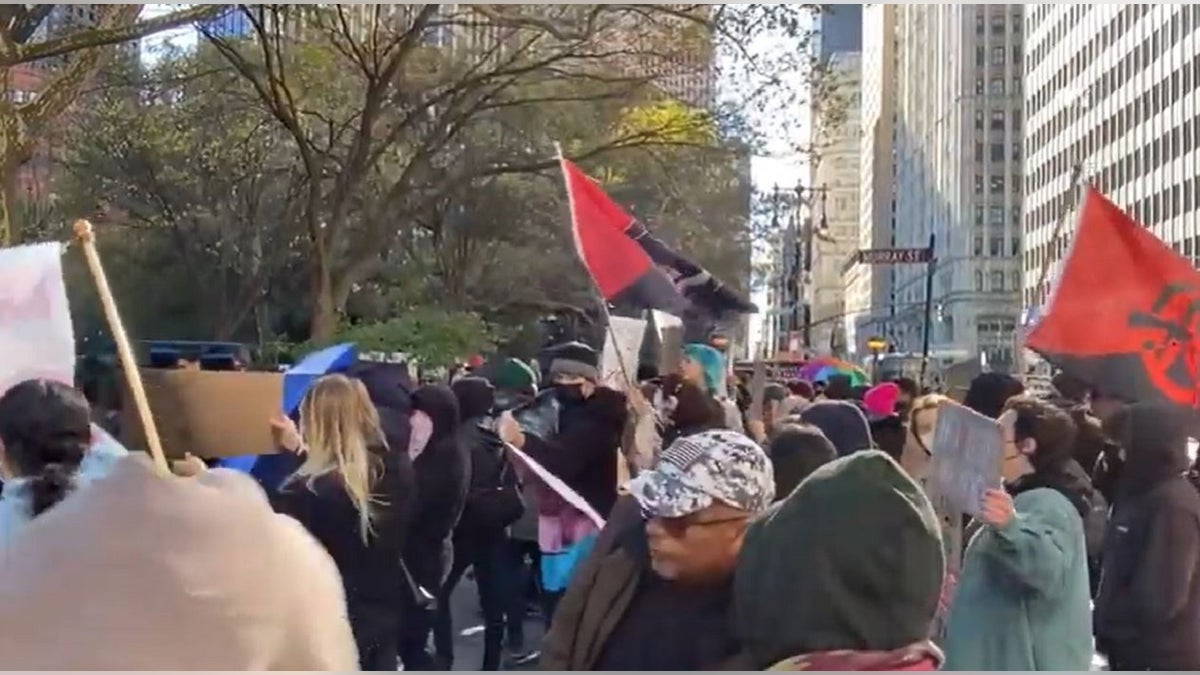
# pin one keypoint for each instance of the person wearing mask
(1148, 608)
(808, 597)
(48, 447)
(353, 496)
(1022, 601)
(796, 451)
(988, 393)
(443, 469)
(591, 421)
(480, 540)
(655, 592)
(842, 422)
(704, 366)
(583, 453)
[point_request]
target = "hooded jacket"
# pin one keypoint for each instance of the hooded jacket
(1148, 608)
(842, 422)
(804, 587)
(583, 454)
(489, 466)
(114, 575)
(443, 476)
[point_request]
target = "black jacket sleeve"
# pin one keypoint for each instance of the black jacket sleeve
(1168, 566)
(572, 452)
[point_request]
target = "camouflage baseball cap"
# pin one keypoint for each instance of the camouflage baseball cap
(699, 470)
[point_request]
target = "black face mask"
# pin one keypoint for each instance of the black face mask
(568, 393)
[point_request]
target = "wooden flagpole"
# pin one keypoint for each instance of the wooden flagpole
(87, 240)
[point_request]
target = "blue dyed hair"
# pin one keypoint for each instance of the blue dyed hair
(711, 361)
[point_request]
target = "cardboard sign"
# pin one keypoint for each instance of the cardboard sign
(968, 452)
(670, 337)
(207, 413)
(622, 344)
(36, 336)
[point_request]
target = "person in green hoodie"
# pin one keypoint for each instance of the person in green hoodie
(843, 574)
(1023, 600)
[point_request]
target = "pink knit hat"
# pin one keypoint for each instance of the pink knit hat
(880, 400)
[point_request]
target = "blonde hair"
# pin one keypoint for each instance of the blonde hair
(339, 425)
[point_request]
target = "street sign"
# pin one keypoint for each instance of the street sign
(893, 256)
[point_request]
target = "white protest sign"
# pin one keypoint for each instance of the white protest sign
(620, 360)
(36, 336)
(968, 450)
(560, 488)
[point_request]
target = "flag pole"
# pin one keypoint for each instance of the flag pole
(1070, 205)
(612, 333)
(87, 241)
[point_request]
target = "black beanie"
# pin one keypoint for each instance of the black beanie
(852, 560)
(575, 359)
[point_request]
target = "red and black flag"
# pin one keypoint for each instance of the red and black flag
(1125, 312)
(630, 265)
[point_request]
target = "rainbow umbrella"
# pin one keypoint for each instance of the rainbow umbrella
(820, 370)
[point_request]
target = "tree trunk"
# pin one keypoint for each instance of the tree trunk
(324, 322)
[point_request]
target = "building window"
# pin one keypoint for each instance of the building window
(996, 217)
(980, 23)
(1016, 84)
(997, 120)
(996, 185)
(1016, 280)
(979, 209)
(978, 246)
(998, 281)
(1016, 150)
(996, 247)
(997, 152)
(998, 56)
(979, 85)
(979, 191)
(996, 86)
(979, 281)
(979, 120)
(1016, 248)
(980, 56)
(1016, 119)
(998, 24)
(979, 152)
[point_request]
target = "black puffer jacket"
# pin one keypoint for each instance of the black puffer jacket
(443, 474)
(1148, 610)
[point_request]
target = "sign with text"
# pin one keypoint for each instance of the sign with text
(968, 450)
(36, 336)
(893, 256)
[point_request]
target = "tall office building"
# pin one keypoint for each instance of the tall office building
(958, 177)
(869, 307)
(1116, 89)
(836, 175)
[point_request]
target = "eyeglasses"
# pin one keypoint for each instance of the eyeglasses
(678, 527)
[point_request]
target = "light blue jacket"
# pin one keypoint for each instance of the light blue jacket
(97, 463)
(1023, 601)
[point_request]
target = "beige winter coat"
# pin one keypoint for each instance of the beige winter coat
(140, 572)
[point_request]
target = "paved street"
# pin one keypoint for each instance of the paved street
(468, 628)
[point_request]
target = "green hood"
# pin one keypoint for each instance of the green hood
(852, 559)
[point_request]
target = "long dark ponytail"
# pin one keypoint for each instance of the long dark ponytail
(45, 430)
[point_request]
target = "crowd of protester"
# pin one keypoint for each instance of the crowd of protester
(801, 538)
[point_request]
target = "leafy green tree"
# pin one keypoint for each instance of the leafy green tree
(85, 50)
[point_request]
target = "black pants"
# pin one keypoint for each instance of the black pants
(413, 643)
(490, 562)
(524, 567)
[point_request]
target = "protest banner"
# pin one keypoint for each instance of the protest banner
(619, 360)
(210, 414)
(670, 337)
(36, 336)
(560, 488)
(968, 452)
